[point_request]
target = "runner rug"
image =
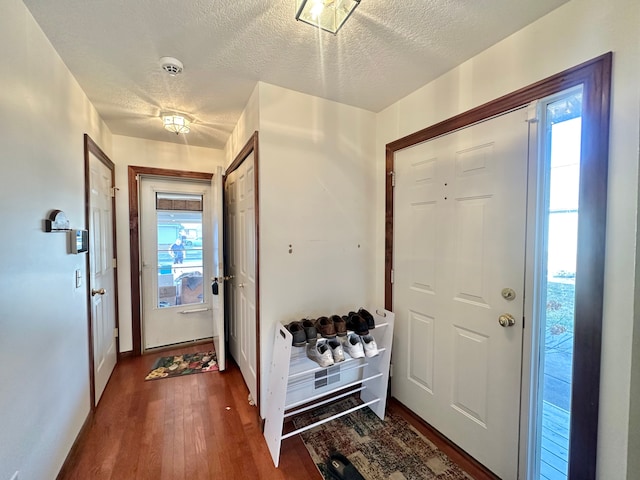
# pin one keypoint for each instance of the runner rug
(381, 450)
(185, 364)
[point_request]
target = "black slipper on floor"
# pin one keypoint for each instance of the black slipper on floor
(341, 468)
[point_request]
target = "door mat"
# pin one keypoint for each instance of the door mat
(185, 364)
(381, 450)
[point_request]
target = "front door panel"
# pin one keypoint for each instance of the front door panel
(460, 208)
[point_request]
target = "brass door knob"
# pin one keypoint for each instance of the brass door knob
(506, 320)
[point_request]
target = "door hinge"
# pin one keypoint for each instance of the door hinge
(115, 332)
(114, 263)
(392, 275)
(532, 112)
(390, 370)
(392, 174)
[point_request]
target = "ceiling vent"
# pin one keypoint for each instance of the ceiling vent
(171, 65)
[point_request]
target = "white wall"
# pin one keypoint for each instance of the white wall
(576, 32)
(44, 378)
(248, 123)
(316, 193)
(147, 153)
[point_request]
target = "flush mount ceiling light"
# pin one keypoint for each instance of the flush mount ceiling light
(327, 15)
(176, 123)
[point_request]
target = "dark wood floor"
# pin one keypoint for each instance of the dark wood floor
(194, 427)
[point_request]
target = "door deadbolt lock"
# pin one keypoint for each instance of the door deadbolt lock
(508, 293)
(506, 320)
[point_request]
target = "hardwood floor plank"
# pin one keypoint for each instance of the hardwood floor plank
(195, 427)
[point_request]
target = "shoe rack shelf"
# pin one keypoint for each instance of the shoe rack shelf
(297, 384)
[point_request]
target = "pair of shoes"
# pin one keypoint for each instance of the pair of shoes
(326, 352)
(298, 334)
(340, 325)
(326, 327)
(341, 468)
(357, 324)
(361, 346)
(310, 330)
(371, 323)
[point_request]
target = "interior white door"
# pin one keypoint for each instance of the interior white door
(218, 268)
(459, 240)
(241, 236)
(176, 299)
(102, 274)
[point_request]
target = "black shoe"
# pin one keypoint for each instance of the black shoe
(341, 468)
(368, 317)
(297, 331)
(310, 329)
(357, 324)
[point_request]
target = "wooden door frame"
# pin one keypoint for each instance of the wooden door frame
(90, 147)
(595, 76)
(250, 147)
(134, 238)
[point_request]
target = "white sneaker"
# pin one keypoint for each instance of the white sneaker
(353, 346)
(320, 353)
(370, 346)
(336, 350)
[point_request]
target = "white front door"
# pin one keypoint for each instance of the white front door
(459, 241)
(217, 284)
(176, 250)
(241, 237)
(102, 274)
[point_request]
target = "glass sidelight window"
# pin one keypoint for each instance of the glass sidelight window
(561, 130)
(179, 249)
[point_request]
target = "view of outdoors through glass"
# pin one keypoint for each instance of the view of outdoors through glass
(563, 129)
(179, 249)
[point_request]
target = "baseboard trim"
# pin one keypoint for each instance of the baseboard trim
(453, 451)
(123, 355)
(73, 452)
(173, 346)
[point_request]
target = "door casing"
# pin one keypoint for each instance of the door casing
(134, 240)
(250, 147)
(595, 76)
(91, 148)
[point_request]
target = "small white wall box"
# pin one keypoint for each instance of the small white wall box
(79, 241)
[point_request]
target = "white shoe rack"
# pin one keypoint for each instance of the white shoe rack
(298, 384)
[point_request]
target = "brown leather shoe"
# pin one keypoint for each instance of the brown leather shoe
(340, 325)
(325, 327)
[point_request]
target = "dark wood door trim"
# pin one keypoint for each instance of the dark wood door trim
(134, 239)
(595, 76)
(250, 147)
(90, 147)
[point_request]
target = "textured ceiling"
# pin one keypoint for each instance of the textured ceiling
(386, 50)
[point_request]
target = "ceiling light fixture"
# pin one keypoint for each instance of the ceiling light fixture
(328, 15)
(176, 123)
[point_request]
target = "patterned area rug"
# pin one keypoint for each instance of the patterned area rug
(178, 365)
(381, 450)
